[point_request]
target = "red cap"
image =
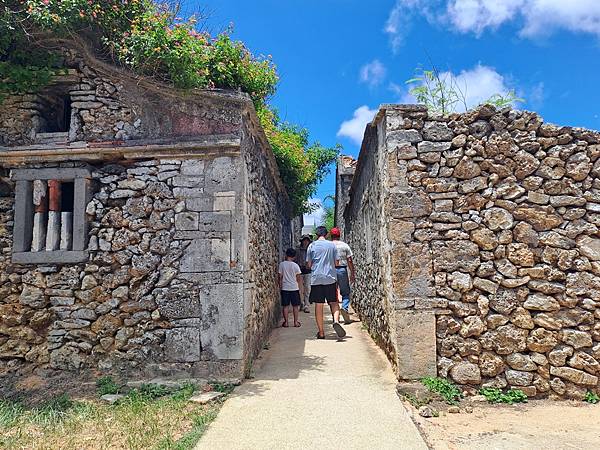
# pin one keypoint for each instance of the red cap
(335, 232)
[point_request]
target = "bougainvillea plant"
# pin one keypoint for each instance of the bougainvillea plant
(151, 40)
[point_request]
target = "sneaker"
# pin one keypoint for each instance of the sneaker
(339, 329)
(306, 309)
(346, 315)
(320, 337)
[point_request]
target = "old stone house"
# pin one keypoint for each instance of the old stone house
(132, 228)
(477, 248)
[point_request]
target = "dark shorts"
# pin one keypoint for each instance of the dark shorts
(321, 293)
(288, 297)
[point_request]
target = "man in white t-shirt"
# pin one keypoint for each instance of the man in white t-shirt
(344, 278)
(290, 282)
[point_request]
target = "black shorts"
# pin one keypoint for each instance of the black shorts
(321, 293)
(288, 297)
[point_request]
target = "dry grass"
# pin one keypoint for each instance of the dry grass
(139, 421)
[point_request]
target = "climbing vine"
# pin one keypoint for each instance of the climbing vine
(150, 39)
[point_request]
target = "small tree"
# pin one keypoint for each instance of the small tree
(442, 93)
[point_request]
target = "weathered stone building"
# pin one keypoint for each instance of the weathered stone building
(133, 220)
(477, 248)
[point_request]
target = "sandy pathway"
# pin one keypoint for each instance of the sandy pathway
(310, 393)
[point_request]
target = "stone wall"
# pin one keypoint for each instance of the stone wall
(492, 220)
(111, 105)
(346, 165)
(164, 246)
(187, 219)
(269, 234)
(364, 231)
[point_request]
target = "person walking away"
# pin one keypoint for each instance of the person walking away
(290, 282)
(321, 258)
(305, 241)
(345, 272)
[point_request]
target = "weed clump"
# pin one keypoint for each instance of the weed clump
(591, 397)
(443, 387)
(494, 395)
(106, 385)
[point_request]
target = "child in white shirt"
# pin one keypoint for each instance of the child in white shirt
(290, 282)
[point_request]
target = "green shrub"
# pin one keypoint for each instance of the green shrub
(445, 388)
(106, 385)
(591, 397)
(494, 395)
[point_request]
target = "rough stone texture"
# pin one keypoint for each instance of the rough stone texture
(489, 221)
(179, 278)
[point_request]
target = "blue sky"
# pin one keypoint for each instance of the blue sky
(340, 59)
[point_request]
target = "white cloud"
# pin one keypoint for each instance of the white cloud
(537, 95)
(477, 85)
(539, 17)
(399, 19)
(316, 217)
(535, 18)
(355, 128)
(373, 73)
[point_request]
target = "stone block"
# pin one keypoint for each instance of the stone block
(186, 221)
(223, 320)
(224, 174)
(409, 204)
(206, 255)
(192, 167)
(416, 345)
(412, 274)
(182, 345)
(179, 303)
(214, 221)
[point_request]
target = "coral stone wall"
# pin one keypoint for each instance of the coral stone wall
(269, 233)
(492, 218)
(158, 295)
(110, 105)
(364, 228)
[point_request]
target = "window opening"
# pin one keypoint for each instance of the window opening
(56, 114)
(53, 202)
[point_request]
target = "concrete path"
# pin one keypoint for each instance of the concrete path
(309, 393)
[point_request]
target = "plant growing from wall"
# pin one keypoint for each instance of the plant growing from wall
(150, 39)
(443, 94)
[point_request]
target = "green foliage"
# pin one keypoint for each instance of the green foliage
(142, 35)
(329, 218)
(9, 413)
(53, 411)
(445, 388)
(106, 385)
(441, 93)
(302, 165)
(591, 397)
(494, 395)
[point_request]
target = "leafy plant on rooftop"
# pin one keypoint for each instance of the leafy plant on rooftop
(442, 93)
(445, 388)
(150, 39)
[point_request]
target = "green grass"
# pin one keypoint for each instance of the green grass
(591, 397)
(494, 395)
(148, 417)
(443, 387)
(106, 385)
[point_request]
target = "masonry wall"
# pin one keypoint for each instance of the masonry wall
(364, 230)
(269, 233)
(492, 217)
(187, 219)
(111, 105)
